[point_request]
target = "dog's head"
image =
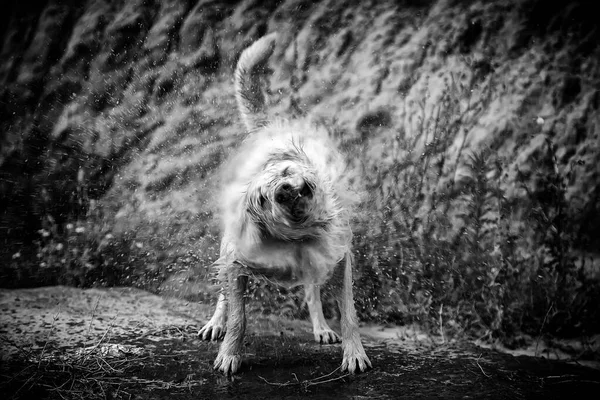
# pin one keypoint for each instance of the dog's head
(287, 201)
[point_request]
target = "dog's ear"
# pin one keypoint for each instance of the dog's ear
(249, 225)
(249, 94)
(255, 201)
(261, 200)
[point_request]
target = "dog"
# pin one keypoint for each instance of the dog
(286, 208)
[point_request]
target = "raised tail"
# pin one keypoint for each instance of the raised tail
(250, 98)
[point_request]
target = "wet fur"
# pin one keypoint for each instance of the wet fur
(286, 206)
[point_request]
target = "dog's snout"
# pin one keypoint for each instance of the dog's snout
(288, 193)
(285, 193)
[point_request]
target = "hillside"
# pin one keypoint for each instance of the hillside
(474, 126)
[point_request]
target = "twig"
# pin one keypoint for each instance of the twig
(48, 338)
(575, 381)
(441, 322)
(482, 371)
(167, 328)
(25, 383)
(94, 347)
(105, 366)
(57, 390)
(288, 383)
(537, 342)
(309, 382)
(329, 374)
(87, 334)
(99, 384)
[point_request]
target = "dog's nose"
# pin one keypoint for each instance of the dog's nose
(288, 193)
(285, 193)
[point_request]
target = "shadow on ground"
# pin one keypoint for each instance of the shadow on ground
(154, 353)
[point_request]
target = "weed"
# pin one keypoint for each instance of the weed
(459, 256)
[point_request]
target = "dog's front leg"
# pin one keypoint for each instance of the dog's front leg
(323, 333)
(229, 358)
(354, 353)
(215, 327)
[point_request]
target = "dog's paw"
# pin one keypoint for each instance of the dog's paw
(355, 359)
(326, 336)
(212, 331)
(228, 364)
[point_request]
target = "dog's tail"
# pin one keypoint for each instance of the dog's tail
(250, 98)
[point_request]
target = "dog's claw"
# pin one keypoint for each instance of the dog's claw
(228, 364)
(355, 360)
(327, 336)
(212, 332)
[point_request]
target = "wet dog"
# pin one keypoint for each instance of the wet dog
(286, 206)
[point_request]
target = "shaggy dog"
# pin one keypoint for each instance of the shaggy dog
(285, 209)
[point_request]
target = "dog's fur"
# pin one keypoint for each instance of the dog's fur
(286, 210)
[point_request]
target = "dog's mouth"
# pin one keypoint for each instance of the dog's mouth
(295, 200)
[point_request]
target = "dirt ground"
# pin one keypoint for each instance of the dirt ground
(122, 343)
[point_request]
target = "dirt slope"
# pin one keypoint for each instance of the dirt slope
(135, 98)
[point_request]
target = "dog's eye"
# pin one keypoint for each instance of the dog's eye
(285, 172)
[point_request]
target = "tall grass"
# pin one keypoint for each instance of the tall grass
(449, 249)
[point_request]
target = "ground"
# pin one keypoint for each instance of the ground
(127, 343)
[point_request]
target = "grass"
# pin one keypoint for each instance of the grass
(88, 374)
(463, 257)
(100, 371)
(84, 377)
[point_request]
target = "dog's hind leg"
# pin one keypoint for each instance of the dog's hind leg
(215, 327)
(229, 358)
(323, 333)
(355, 357)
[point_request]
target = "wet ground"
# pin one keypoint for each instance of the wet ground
(127, 344)
(290, 367)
